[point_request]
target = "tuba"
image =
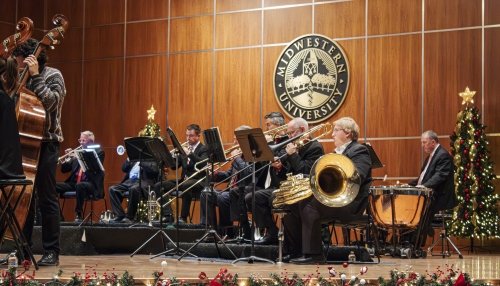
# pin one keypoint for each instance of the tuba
(334, 181)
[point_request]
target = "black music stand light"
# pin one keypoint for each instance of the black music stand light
(254, 146)
(216, 154)
(89, 162)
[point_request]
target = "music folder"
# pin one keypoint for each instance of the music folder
(137, 149)
(175, 142)
(376, 163)
(213, 142)
(89, 161)
(160, 152)
(254, 145)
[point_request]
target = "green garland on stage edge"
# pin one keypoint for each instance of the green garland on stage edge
(447, 277)
(476, 214)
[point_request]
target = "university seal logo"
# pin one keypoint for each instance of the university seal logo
(311, 78)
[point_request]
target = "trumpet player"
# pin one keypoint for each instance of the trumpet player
(138, 176)
(227, 201)
(195, 152)
(303, 225)
(87, 185)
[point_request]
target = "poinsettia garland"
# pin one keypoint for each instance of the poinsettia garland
(449, 277)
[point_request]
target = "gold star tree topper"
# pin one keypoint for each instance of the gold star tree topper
(467, 96)
(151, 113)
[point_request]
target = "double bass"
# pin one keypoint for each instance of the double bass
(31, 117)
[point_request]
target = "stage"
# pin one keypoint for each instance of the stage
(107, 249)
(481, 267)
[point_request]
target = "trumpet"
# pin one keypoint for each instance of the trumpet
(183, 145)
(152, 206)
(66, 157)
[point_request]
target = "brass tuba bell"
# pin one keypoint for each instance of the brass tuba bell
(334, 181)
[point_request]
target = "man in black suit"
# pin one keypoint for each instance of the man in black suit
(293, 161)
(227, 200)
(195, 152)
(303, 224)
(436, 174)
(138, 177)
(87, 185)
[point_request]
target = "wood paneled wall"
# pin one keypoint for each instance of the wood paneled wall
(211, 62)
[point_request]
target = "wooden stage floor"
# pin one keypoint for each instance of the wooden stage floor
(483, 267)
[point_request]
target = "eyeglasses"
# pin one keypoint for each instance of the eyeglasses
(338, 129)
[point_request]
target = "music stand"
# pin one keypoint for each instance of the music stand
(254, 146)
(216, 154)
(177, 145)
(159, 152)
(89, 162)
(376, 163)
(138, 151)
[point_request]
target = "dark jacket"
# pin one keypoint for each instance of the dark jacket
(301, 162)
(237, 165)
(10, 145)
(188, 163)
(149, 172)
(360, 156)
(96, 178)
(439, 178)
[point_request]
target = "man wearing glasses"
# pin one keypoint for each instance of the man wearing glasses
(85, 184)
(303, 225)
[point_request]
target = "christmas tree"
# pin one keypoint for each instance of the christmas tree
(152, 129)
(476, 214)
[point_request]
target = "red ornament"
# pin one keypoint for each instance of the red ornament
(466, 215)
(345, 264)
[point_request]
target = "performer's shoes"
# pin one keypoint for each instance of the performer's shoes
(287, 258)
(268, 240)
(309, 259)
(117, 219)
(78, 217)
(181, 220)
(49, 258)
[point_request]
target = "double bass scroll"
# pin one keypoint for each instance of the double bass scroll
(24, 29)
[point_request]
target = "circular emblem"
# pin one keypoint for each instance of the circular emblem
(311, 78)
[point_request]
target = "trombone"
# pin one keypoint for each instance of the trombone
(300, 140)
(217, 166)
(66, 157)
